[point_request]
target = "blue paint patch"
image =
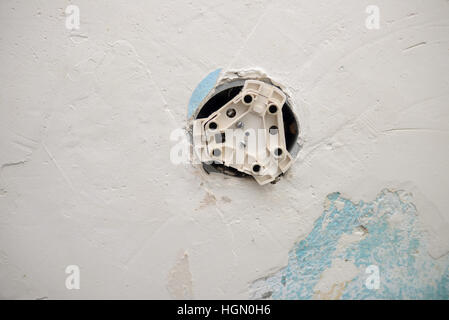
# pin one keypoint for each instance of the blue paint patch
(202, 90)
(390, 238)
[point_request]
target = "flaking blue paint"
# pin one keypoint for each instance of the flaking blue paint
(393, 241)
(202, 90)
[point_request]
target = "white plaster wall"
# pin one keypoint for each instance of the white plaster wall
(86, 115)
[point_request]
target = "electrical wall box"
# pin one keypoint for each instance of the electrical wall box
(246, 129)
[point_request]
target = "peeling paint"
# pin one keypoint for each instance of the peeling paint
(179, 283)
(327, 267)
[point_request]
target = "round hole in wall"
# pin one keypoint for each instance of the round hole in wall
(225, 92)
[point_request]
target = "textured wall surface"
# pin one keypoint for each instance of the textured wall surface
(86, 177)
(331, 262)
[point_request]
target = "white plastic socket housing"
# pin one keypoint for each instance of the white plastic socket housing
(246, 133)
